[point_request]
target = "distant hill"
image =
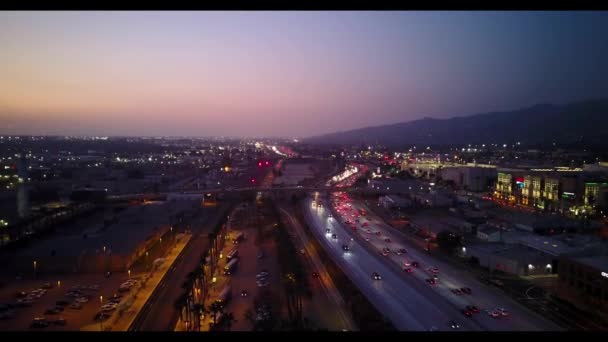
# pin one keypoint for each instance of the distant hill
(544, 123)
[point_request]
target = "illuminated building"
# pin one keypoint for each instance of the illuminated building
(504, 185)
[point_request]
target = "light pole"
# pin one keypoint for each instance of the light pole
(35, 267)
(129, 272)
(58, 283)
(101, 317)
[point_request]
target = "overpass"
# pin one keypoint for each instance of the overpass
(251, 191)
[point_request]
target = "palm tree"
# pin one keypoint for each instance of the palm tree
(215, 308)
(229, 320)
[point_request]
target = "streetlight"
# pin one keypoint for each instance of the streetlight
(129, 272)
(35, 266)
(58, 283)
(104, 249)
(101, 318)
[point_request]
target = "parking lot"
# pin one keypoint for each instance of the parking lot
(256, 280)
(64, 290)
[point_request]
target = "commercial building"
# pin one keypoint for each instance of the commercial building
(470, 177)
(101, 243)
(575, 190)
(392, 201)
(583, 281)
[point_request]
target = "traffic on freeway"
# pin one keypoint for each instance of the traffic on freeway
(385, 288)
(348, 226)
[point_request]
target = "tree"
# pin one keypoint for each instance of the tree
(448, 241)
(229, 320)
(215, 308)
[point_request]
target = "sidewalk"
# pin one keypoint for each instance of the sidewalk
(134, 302)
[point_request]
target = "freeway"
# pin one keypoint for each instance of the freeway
(377, 236)
(403, 305)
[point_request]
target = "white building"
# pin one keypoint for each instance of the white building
(471, 177)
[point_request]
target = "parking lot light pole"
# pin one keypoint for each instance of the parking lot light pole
(101, 317)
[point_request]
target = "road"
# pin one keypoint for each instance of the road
(483, 296)
(393, 296)
(343, 321)
(159, 313)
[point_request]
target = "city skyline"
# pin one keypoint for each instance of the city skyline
(286, 74)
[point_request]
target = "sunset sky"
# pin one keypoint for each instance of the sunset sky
(286, 73)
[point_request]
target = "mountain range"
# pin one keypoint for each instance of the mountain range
(578, 122)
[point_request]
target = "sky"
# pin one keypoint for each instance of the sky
(286, 73)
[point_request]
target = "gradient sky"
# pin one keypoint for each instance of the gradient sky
(286, 73)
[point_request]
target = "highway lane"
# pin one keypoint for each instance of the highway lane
(483, 296)
(392, 296)
(325, 280)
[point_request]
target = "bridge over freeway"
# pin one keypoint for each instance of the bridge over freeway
(247, 191)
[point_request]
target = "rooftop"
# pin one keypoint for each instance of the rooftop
(599, 262)
(135, 225)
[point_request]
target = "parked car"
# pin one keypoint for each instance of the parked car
(59, 321)
(40, 322)
(62, 302)
(75, 306)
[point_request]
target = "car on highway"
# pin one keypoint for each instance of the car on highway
(408, 270)
(376, 276)
(378, 233)
(387, 240)
(472, 308)
(466, 290)
(431, 281)
(493, 313)
(503, 312)
(334, 236)
(401, 251)
(345, 248)
(244, 293)
(433, 269)
(415, 264)
(467, 313)
(454, 325)
(302, 251)
(366, 238)
(315, 275)
(457, 291)
(328, 231)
